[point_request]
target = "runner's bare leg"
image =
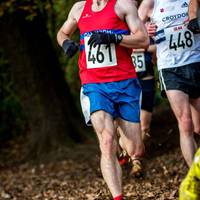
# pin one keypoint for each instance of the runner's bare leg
(195, 108)
(131, 138)
(145, 118)
(180, 105)
(103, 124)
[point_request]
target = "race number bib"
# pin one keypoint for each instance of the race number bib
(179, 39)
(139, 62)
(100, 56)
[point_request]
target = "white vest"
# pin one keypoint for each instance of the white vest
(176, 45)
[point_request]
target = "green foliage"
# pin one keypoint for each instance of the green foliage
(10, 6)
(47, 7)
(11, 118)
(30, 6)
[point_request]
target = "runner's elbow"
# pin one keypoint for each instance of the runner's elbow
(61, 36)
(58, 37)
(145, 43)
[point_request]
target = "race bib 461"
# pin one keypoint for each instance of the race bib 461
(100, 56)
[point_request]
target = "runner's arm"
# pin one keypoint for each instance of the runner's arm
(193, 9)
(68, 27)
(193, 24)
(138, 37)
(64, 34)
(145, 10)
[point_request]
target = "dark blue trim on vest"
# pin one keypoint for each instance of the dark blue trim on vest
(110, 31)
(124, 32)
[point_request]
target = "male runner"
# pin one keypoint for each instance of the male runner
(145, 71)
(144, 64)
(178, 61)
(110, 89)
(190, 186)
(144, 61)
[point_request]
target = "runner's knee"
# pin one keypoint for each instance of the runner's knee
(108, 143)
(185, 123)
(140, 150)
(136, 152)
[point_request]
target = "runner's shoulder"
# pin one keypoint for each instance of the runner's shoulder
(122, 8)
(78, 6)
(126, 4)
(146, 8)
(77, 9)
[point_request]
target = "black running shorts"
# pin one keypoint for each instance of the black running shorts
(148, 94)
(185, 78)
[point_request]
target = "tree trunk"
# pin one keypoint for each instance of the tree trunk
(39, 82)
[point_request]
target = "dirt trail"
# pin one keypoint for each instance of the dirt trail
(76, 175)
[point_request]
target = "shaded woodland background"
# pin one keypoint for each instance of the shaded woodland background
(38, 84)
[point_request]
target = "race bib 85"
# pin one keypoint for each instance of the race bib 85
(138, 60)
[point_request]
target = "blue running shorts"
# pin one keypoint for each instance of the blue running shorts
(120, 99)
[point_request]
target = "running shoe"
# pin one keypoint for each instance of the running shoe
(136, 168)
(190, 186)
(123, 158)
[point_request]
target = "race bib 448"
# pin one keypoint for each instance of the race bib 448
(179, 39)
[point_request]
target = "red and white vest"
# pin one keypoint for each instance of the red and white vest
(103, 63)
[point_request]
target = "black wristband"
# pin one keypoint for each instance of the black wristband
(65, 44)
(118, 38)
(70, 47)
(194, 25)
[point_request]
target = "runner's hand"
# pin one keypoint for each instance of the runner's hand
(70, 47)
(104, 38)
(151, 29)
(193, 25)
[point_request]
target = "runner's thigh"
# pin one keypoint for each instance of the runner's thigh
(179, 102)
(129, 130)
(102, 122)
